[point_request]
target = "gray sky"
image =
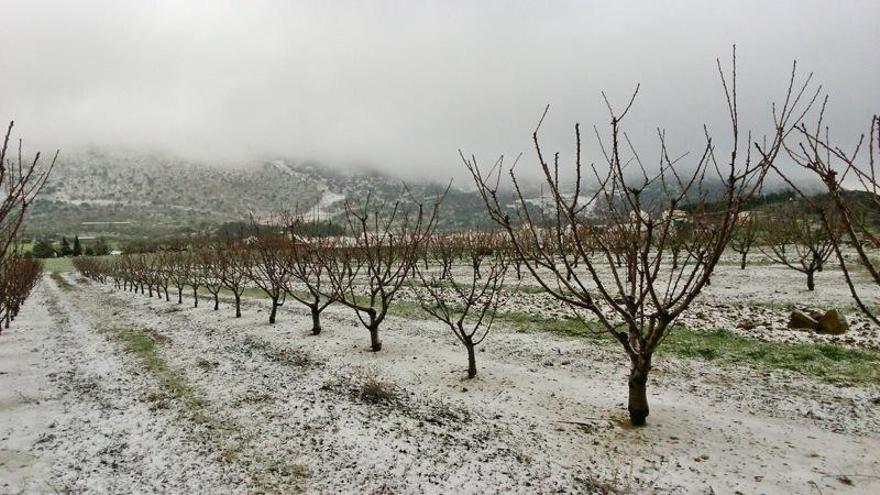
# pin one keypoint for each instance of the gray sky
(400, 86)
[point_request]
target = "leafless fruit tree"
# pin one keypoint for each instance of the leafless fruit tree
(795, 237)
(638, 301)
(211, 263)
(368, 266)
(18, 277)
(179, 268)
(20, 182)
(231, 268)
(268, 268)
(162, 268)
(745, 233)
(467, 306)
(839, 170)
(195, 274)
(308, 282)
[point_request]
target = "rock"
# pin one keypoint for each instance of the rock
(816, 313)
(833, 323)
(802, 321)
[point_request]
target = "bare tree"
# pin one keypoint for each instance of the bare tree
(268, 268)
(212, 266)
(744, 236)
(18, 277)
(638, 301)
(445, 250)
(195, 275)
(797, 239)
(476, 247)
(468, 307)
(308, 283)
(161, 270)
(368, 266)
(838, 168)
(178, 272)
(231, 268)
(21, 181)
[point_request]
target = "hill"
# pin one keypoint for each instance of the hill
(124, 194)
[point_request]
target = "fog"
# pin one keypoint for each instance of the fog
(401, 86)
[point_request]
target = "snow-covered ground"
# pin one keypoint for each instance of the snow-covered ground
(756, 302)
(274, 409)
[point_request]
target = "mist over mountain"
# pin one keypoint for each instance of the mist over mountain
(134, 193)
(102, 192)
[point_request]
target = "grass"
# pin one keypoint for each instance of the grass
(531, 289)
(57, 265)
(826, 362)
(143, 345)
(61, 265)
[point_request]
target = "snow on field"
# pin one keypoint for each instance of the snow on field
(270, 408)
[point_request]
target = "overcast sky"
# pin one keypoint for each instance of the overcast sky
(401, 86)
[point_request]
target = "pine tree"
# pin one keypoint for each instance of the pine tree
(43, 249)
(77, 247)
(65, 247)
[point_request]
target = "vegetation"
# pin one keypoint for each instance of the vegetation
(633, 233)
(631, 250)
(830, 363)
(847, 217)
(468, 306)
(21, 181)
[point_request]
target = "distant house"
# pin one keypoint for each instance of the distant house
(115, 252)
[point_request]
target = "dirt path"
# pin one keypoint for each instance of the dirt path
(238, 405)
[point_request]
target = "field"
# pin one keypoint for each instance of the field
(111, 391)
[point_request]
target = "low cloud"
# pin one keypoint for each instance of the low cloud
(401, 86)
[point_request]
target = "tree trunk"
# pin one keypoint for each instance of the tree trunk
(237, 306)
(180, 295)
(166, 294)
(375, 343)
(195, 297)
(742, 263)
(472, 360)
(316, 320)
(638, 394)
(274, 311)
(811, 284)
(216, 301)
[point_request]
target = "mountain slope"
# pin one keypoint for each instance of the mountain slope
(100, 192)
